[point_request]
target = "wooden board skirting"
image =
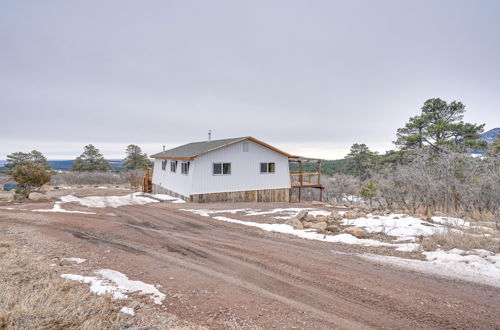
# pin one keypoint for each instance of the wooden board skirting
(161, 190)
(266, 195)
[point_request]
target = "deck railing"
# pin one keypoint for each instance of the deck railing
(301, 178)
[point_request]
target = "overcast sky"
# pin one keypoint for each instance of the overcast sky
(310, 77)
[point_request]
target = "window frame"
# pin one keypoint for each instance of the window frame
(221, 168)
(268, 167)
(164, 165)
(173, 166)
(183, 165)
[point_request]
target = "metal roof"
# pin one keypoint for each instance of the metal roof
(191, 150)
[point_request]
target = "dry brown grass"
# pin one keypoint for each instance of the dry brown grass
(33, 296)
(464, 241)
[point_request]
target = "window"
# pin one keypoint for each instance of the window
(163, 165)
(185, 168)
(221, 168)
(245, 146)
(267, 167)
(173, 166)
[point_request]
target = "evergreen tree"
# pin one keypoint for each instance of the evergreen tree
(369, 190)
(135, 159)
(18, 159)
(361, 161)
(90, 160)
(439, 127)
(30, 175)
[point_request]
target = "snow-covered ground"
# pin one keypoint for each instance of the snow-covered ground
(136, 198)
(476, 265)
(109, 201)
(118, 284)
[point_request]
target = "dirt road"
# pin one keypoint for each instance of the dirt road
(224, 275)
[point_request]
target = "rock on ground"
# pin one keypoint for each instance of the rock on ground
(36, 196)
(301, 215)
(295, 223)
(319, 226)
(356, 232)
(334, 229)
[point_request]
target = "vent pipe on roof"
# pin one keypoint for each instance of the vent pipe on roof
(163, 147)
(209, 135)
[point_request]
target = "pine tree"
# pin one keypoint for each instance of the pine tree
(369, 190)
(90, 160)
(18, 159)
(361, 161)
(439, 127)
(136, 160)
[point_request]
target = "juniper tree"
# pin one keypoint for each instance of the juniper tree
(30, 175)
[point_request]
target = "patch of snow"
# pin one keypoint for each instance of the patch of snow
(164, 197)
(58, 209)
(108, 201)
(456, 222)
(475, 266)
(127, 310)
(124, 284)
(311, 234)
(285, 213)
(112, 281)
(102, 187)
(407, 228)
(97, 286)
(75, 260)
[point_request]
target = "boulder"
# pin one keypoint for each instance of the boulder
(307, 224)
(353, 215)
(301, 215)
(7, 195)
(319, 226)
(310, 218)
(334, 229)
(36, 196)
(356, 232)
(321, 218)
(295, 223)
(335, 216)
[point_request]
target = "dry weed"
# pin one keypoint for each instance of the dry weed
(33, 296)
(448, 240)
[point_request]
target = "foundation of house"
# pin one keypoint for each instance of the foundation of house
(265, 195)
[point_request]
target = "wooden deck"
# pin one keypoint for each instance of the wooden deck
(302, 180)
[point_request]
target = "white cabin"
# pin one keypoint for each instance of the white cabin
(238, 169)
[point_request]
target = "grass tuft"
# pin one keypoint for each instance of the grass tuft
(33, 296)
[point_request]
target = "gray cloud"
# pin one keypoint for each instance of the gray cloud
(311, 76)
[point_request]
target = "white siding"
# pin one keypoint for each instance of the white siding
(245, 170)
(176, 182)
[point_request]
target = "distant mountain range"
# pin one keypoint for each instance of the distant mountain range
(489, 137)
(116, 164)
